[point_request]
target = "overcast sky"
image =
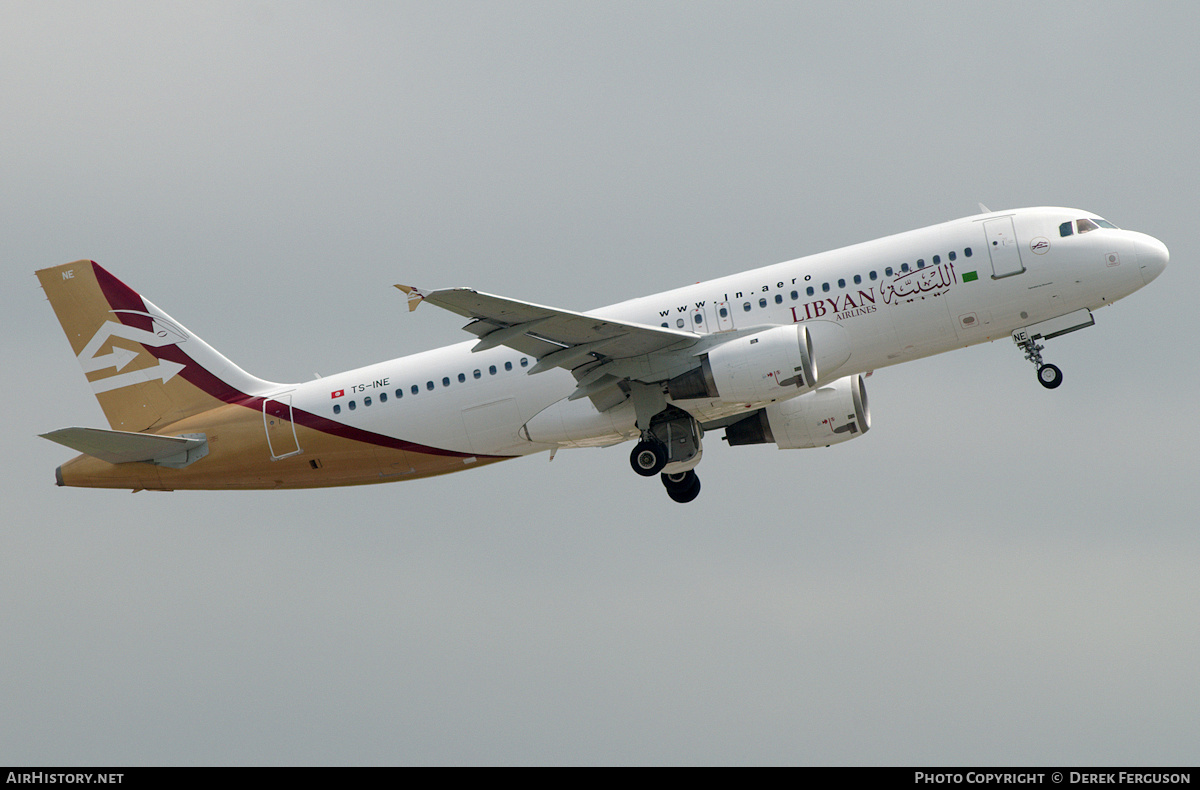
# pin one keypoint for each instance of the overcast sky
(995, 573)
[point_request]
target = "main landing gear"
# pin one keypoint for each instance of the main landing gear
(1049, 376)
(670, 449)
(648, 459)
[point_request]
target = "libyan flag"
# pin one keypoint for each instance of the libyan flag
(969, 276)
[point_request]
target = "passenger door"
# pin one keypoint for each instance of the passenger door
(1002, 246)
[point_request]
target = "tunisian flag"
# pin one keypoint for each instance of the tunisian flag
(337, 393)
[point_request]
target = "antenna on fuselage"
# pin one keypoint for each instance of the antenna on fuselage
(984, 209)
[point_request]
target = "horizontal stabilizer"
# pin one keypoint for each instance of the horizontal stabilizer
(123, 447)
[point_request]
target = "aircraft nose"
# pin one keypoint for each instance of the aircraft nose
(1152, 256)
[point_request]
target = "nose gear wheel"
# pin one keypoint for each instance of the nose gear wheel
(1049, 376)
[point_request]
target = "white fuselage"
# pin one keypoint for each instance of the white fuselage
(897, 298)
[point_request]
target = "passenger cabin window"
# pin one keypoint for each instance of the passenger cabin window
(746, 307)
(508, 366)
(825, 287)
(841, 283)
(778, 298)
(858, 279)
(679, 323)
(524, 362)
(698, 318)
(337, 409)
(810, 291)
(937, 259)
(952, 256)
(491, 370)
(352, 405)
(1084, 225)
(887, 272)
(445, 381)
(904, 267)
(724, 313)
(415, 389)
(872, 275)
(795, 295)
(367, 401)
(383, 397)
(462, 377)
(1066, 229)
(429, 386)
(967, 251)
(477, 373)
(762, 302)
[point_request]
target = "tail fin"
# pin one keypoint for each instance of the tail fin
(145, 368)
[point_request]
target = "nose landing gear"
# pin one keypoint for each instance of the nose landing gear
(1049, 376)
(1027, 339)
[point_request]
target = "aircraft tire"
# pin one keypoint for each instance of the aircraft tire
(680, 482)
(686, 495)
(1049, 376)
(648, 458)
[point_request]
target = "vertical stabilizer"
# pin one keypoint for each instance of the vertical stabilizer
(145, 368)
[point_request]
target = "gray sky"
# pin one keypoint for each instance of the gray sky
(996, 573)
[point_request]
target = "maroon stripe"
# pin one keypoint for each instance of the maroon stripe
(121, 297)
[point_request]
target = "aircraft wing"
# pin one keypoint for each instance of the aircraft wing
(557, 338)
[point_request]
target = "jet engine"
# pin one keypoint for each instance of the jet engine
(833, 414)
(772, 365)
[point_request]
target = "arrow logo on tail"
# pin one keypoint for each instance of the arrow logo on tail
(119, 358)
(164, 370)
(163, 334)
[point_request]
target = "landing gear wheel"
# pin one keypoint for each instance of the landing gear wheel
(679, 482)
(648, 458)
(1049, 376)
(682, 488)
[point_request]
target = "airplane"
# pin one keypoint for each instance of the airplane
(772, 355)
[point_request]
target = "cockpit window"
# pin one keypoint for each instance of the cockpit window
(1084, 225)
(1066, 229)
(1104, 223)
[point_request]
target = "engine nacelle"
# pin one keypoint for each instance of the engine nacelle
(775, 364)
(833, 414)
